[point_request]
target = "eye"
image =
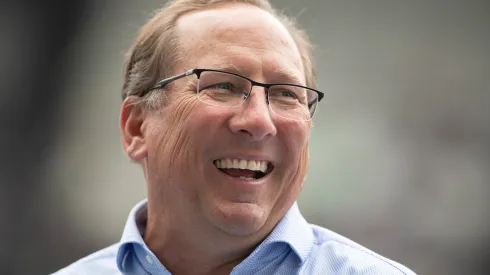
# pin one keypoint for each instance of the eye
(224, 86)
(285, 93)
(288, 94)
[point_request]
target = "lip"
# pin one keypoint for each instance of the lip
(240, 182)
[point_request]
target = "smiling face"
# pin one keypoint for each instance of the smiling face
(190, 146)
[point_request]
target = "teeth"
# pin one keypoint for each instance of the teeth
(251, 165)
(243, 164)
(254, 165)
(263, 166)
(245, 178)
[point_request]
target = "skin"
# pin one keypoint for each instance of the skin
(200, 221)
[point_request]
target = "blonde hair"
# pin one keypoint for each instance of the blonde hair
(156, 47)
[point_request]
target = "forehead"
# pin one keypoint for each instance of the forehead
(238, 36)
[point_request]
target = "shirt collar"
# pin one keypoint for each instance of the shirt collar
(136, 224)
(133, 233)
(292, 230)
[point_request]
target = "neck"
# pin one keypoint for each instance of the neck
(184, 247)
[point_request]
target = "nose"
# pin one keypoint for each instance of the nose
(253, 118)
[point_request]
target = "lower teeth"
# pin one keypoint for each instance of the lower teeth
(246, 178)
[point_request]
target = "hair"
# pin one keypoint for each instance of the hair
(156, 48)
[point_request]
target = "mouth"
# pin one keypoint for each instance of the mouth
(243, 169)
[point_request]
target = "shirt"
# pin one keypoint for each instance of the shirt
(293, 247)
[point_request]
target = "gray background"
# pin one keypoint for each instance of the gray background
(400, 150)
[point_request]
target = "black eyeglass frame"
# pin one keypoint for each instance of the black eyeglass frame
(162, 83)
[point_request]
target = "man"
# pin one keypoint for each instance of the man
(224, 155)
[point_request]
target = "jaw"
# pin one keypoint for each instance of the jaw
(235, 206)
(240, 218)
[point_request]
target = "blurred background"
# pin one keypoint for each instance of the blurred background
(400, 150)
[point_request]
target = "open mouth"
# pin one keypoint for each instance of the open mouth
(244, 169)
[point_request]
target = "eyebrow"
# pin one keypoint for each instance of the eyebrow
(227, 67)
(285, 73)
(282, 73)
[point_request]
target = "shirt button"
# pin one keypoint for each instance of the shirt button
(149, 259)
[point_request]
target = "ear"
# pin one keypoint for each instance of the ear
(131, 122)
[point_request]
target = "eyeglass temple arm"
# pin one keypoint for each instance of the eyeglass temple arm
(163, 83)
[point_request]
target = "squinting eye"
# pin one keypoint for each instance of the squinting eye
(224, 86)
(287, 94)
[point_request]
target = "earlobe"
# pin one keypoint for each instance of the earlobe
(132, 135)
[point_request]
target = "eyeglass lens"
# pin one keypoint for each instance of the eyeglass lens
(228, 90)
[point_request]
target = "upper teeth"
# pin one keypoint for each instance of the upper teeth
(254, 165)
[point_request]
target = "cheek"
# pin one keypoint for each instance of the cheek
(297, 153)
(172, 138)
(303, 164)
(296, 136)
(294, 167)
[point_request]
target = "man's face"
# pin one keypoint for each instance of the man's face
(186, 136)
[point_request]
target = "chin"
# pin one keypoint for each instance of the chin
(239, 218)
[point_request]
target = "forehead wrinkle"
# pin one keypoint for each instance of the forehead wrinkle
(283, 66)
(249, 65)
(223, 64)
(230, 63)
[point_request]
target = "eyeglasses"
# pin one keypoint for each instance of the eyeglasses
(224, 89)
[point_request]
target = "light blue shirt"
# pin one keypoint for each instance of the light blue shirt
(293, 247)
